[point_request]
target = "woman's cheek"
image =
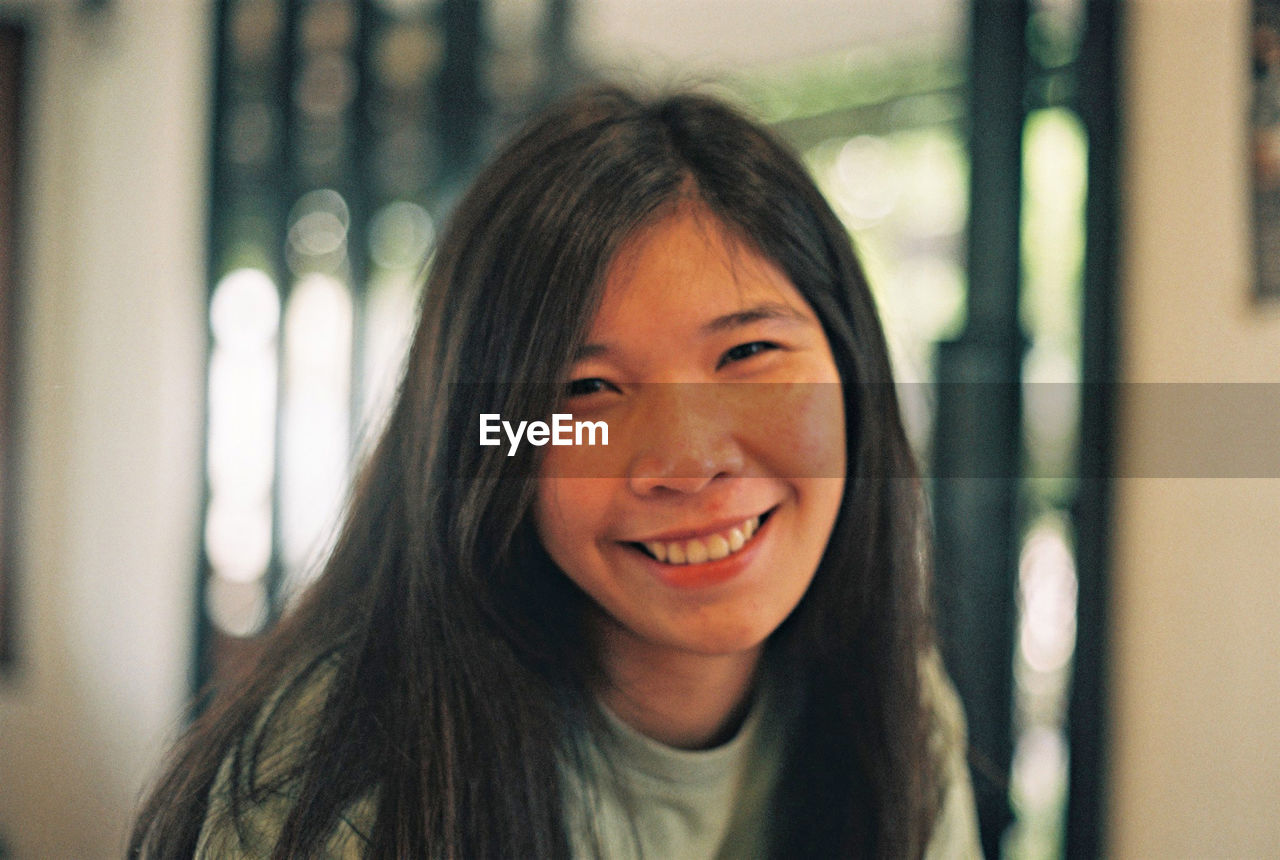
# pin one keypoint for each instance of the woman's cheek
(798, 428)
(569, 512)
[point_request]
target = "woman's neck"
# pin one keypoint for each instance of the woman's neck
(684, 700)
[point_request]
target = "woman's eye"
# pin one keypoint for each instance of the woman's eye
(590, 385)
(745, 350)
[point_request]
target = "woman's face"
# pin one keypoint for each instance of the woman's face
(700, 525)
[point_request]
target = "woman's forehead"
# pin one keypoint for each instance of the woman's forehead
(690, 257)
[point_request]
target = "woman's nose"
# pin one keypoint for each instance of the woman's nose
(684, 440)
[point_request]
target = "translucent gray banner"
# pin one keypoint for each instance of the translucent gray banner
(606, 429)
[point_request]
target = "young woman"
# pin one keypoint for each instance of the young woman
(708, 637)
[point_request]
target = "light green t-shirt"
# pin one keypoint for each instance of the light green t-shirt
(649, 800)
(715, 804)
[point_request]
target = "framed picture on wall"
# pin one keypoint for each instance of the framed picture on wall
(1265, 148)
(11, 44)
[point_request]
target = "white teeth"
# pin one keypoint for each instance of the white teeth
(698, 550)
(736, 539)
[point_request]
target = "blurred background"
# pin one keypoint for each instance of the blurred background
(213, 214)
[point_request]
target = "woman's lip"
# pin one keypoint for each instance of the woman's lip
(699, 533)
(708, 573)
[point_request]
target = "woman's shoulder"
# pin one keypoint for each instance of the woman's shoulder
(955, 832)
(252, 832)
(258, 782)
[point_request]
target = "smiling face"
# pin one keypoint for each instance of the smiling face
(699, 527)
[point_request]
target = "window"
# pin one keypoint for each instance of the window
(342, 130)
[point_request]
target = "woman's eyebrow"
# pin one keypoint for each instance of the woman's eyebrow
(767, 311)
(590, 350)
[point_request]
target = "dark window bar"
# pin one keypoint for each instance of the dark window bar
(977, 520)
(13, 54)
(1099, 106)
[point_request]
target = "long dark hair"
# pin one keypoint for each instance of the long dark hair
(456, 656)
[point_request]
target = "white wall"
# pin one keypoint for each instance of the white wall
(113, 338)
(1196, 675)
